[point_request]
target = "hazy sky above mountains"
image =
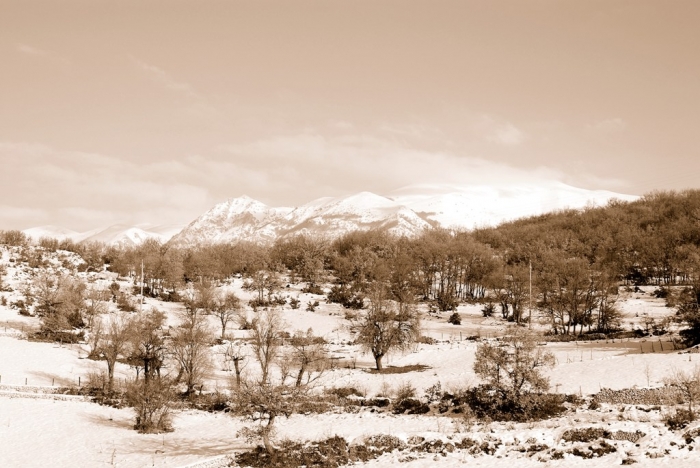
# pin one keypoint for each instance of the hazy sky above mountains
(152, 111)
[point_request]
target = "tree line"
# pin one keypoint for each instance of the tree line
(569, 262)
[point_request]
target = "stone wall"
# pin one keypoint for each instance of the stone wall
(640, 396)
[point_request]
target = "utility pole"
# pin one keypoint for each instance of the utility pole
(529, 320)
(141, 286)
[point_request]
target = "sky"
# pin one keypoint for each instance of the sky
(120, 111)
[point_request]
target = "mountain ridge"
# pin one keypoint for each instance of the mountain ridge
(404, 212)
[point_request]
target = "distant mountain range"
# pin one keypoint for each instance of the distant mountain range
(117, 234)
(406, 211)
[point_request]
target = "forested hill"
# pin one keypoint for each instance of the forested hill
(653, 239)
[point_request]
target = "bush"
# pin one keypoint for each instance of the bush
(329, 453)
(21, 307)
(294, 303)
(679, 420)
(603, 448)
(410, 406)
(126, 303)
(169, 296)
(211, 402)
(60, 336)
(279, 300)
(313, 289)
(446, 301)
(488, 403)
(346, 297)
(434, 393)
(311, 306)
(405, 391)
(344, 392)
(455, 319)
(152, 403)
(488, 309)
(257, 303)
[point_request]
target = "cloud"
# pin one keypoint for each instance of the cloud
(608, 125)
(316, 165)
(84, 190)
(45, 55)
(29, 50)
(18, 213)
(164, 78)
(498, 131)
(507, 134)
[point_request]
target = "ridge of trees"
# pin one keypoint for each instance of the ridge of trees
(578, 259)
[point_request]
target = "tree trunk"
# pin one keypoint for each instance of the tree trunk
(238, 373)
(300, 375)
(266, 436)
(378, 361)
(110, 376)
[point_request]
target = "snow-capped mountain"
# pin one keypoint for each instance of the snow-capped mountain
(118, 234)
(406, 212)
(54, 232)
(481, 206)
(234, 219)
(247, 219)
(362, 211)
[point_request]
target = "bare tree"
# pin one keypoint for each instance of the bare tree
(152, 402)
(264, 280)
(386, 326)
(514, 365)
(60, 302)
(266, 340)
(236, 354)
(95, 304)
(147, 344)
(114, 343)
(226, 307)
(264, 403)
(310, 354)
(189, 346)
(688, 383)
(151, 396)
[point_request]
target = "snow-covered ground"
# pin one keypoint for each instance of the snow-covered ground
(58, 433)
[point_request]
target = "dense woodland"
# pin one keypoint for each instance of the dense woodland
(574, 261)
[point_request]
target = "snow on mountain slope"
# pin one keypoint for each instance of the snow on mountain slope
(479, 206)
(247, 219)
(336, 216)
(236, 218)
(118, 234)
(405, 212)
(55, 232)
